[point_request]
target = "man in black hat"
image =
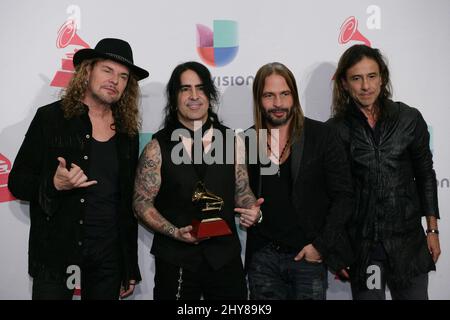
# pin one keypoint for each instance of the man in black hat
(76, 166)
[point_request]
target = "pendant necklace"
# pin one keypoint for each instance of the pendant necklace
(281, 156)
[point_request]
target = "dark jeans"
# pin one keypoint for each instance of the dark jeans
(100, 279)
(48, 287)
(376, 288)
(274, 275)
(226, 283)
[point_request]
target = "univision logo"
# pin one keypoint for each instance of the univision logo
(218, 47)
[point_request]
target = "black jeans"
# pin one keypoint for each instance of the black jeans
(173, 282)
(273, 274)
(376, 285)
(101, 271)
(47, 286)
(100, 278)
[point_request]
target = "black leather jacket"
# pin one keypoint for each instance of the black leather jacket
(56, 232)
(395, 185)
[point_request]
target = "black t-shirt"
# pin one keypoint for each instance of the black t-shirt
(102, 199)
(280, 224)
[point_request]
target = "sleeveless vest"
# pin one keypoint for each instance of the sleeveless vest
(174, 202)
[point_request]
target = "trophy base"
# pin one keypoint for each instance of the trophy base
(208, 228)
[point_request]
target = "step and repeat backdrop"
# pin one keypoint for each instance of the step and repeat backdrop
(39, 39)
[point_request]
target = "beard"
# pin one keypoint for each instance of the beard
(105, 99)
(101, 97)
(274, 121)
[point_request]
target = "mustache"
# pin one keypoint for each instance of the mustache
(111, 88)
(278, 110)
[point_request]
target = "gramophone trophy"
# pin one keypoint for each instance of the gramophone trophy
(349, 31)
(208, 223)
(67, 35)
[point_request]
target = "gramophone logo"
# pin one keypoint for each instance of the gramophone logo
(218, 47)
(67, 35)
(349, 32)
(5, 168)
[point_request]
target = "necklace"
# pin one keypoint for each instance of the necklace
(281, 155)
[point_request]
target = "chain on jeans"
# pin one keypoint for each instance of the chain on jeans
(180, 281)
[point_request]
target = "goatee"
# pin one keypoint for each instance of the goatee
(276, 122)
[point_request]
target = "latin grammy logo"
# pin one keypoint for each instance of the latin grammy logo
(349, 31)
(5, 168)
(67, 35)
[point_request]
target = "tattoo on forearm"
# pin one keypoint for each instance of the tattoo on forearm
(146, 188)
(244, 196)
(432, 222)
(169, 229)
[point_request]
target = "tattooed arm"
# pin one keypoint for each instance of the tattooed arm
(146, 188)
(243, 195)
(245, 200)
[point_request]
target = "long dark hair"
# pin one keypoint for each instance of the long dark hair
(353, 55)
(174, 85)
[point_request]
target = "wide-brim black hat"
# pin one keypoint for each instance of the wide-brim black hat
(114, 49)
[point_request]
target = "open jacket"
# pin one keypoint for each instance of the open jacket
(395, 185)
(56, 233)
(322, 193)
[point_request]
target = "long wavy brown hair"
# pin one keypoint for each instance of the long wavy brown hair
(353, 55)
(125, 111)
(258, 88)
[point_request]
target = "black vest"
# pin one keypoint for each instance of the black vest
(174, 202)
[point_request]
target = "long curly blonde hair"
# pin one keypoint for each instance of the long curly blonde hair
(125, 111)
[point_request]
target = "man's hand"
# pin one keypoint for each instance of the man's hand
(184, 234)
(343, 274)
(310, 254)
(250, 216)
(433, 237)
(123, 293)
(433, 246)
(67, 180)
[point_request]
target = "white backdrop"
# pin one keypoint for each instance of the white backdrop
(414, 35)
